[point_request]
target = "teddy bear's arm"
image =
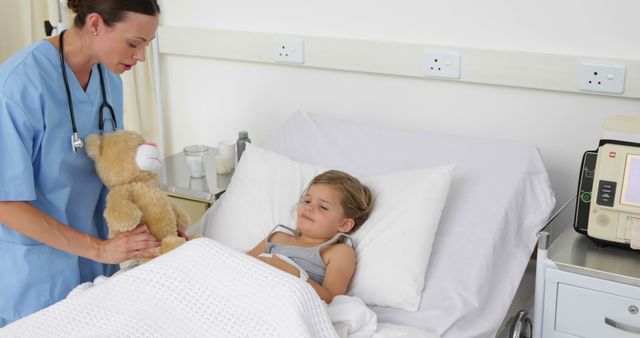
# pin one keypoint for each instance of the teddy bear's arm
(121, 213)
(182, 219)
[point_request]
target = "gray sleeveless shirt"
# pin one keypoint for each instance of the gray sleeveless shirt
(307, 258)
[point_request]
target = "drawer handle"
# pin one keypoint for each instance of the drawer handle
(623, 327)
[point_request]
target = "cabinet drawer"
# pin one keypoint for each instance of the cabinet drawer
(195, 209)
(582, 312)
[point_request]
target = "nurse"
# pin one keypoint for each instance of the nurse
(52, 232)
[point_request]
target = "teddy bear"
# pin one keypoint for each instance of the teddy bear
(128, 166)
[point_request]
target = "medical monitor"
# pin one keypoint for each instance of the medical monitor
(615, 210)
(631, 182)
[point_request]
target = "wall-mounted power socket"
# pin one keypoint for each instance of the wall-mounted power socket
(441, 64)
(290, 50)
(602, 78)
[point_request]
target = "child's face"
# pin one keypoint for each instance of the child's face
(320, 213)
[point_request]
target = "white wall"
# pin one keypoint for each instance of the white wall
(21, 23)
(207, 100)
(589, 27)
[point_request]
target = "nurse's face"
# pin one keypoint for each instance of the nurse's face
(122, 45)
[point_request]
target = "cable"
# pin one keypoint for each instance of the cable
(555, 214)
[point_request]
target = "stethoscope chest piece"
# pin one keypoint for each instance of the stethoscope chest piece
(76, 142)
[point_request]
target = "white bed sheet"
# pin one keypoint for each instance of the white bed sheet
(499, 199)
(203, 289)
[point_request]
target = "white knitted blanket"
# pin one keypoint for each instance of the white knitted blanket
(201, 289)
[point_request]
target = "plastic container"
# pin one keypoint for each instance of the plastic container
(226, 158)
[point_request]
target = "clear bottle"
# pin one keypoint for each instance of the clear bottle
(241, 144)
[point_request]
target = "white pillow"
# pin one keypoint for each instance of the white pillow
(392, 247)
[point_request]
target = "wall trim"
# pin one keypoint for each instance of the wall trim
(485, 66)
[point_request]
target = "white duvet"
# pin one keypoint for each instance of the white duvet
(202, 289)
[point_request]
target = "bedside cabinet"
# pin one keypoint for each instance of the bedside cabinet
(194, 195)
(590, 291)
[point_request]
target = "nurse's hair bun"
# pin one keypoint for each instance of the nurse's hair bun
(73, 5)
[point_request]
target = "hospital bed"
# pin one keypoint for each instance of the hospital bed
(483, 227)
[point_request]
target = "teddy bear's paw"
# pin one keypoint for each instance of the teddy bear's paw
(124, 219)
(171, 242)
(183, 220)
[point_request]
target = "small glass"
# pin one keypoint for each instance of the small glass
(199, 184)
(196, 156)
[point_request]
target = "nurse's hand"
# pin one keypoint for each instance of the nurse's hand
(128, 245)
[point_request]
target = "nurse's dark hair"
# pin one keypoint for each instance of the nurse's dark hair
(111, 11)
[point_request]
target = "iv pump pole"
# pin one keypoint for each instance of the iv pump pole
(57, 17)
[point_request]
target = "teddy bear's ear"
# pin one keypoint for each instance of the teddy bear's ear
(92, 146)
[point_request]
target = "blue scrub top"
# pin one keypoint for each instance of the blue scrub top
(38, 165)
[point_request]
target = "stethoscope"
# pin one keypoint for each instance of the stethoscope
(76, 141)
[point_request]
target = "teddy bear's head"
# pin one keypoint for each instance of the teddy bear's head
(122, 157)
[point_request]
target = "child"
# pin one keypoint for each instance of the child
(334, 205)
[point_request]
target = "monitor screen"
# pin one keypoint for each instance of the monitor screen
(631, 182)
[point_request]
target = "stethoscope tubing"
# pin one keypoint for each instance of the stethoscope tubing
(75, 141)
(66, 85)
(105, 104)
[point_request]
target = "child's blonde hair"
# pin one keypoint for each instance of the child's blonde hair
(357, 200)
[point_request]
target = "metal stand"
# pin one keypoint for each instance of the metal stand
(542, 261)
